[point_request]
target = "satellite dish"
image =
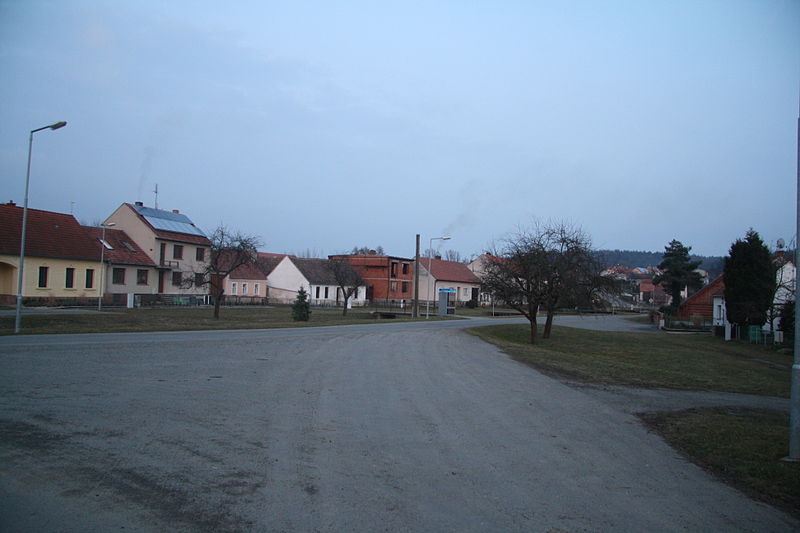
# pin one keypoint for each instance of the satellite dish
(781, 244)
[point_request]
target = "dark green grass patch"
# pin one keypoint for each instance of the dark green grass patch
(742, 446)
(693, 362)
(185, 319)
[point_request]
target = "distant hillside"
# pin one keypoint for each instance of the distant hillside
(635, 258)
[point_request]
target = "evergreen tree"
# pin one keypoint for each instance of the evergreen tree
(301, 309)
(678, 271)
(749, 281)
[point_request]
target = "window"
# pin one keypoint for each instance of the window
(177, 278)
(317, 292)
(177, 251)
(200, 254)
(393, 286)
(394, 269)
(199, 279)
(326, 293)
(141, 277)
(233, 288)
(69, 281)
(43, 277)
(355, 293)
(405, 286)
(255, 289)
(405, 269)
(118, 276)
(244, 289)
(89, 278)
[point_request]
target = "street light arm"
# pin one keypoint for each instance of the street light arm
(53, 126)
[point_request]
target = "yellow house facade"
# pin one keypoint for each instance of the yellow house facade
(62, 262)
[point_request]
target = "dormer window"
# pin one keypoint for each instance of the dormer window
(104, 243)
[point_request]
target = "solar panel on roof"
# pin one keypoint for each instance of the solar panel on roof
(168, 221)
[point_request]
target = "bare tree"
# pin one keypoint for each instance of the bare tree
(366, 250)
(453, 255)
(517, 275)
(572, 270)
(229, 250)
(310, 253)
(346, 278)
(541, 267)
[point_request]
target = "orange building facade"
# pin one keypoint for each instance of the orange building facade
(388, 279)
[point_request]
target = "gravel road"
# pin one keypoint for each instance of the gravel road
(403, 427)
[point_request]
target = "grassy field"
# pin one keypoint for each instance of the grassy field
(185, 319)
(741, 446)
(694, 362)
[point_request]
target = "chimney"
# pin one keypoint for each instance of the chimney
(139, 204)
(437, 257)
(176, 211)
(373, 252)
(11, 203)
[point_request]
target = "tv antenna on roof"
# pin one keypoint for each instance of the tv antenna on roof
(156, 191)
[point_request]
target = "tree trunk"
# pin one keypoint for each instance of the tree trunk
(533, 310)
(344, 308)
(548, 325)
(216, 308)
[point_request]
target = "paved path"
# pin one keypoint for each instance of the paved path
(403, 427)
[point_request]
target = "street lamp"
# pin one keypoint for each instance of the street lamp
(18, 320)
(430, 260)
(102, 267)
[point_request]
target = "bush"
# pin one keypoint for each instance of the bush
(301, 310)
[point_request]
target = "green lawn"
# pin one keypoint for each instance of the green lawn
(186, 318)
(742, 446)
(695, 362)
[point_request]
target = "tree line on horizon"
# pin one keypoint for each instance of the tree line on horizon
(635, 258)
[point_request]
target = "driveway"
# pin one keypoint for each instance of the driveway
(402, 427)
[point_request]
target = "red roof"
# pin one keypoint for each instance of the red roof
(449, 270)
(124, 250)
(49, 234)
(181, 237)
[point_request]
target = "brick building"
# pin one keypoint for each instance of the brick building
(389, 279)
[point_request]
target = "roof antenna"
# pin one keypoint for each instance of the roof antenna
(156, 191)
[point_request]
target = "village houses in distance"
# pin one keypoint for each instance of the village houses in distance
(142, 256)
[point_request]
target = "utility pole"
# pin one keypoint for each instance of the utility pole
(794, 402)
(415, 311)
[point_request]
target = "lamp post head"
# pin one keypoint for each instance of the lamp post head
(57, 125)
(110, 224)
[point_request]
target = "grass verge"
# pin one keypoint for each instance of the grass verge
(647, 360)
(741, 446)
(185, 319)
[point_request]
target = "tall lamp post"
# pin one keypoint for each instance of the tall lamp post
(18, 320)
(794, 402)
(430, 260)
(102, 266)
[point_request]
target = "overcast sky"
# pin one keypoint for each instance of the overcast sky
(327, 125)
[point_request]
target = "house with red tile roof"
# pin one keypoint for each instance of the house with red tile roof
(179, 248)
(62, 262)
(128, 269)
(313, 275)
(437, 274)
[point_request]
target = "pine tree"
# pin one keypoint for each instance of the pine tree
(749, 281)
(301, 310)
(678, 271)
